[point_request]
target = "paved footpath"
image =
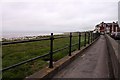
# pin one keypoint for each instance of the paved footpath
(92, 64)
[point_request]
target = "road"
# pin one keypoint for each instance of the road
(92, 64)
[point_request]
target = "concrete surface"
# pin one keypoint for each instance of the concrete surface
(92, 64)
(114, 52)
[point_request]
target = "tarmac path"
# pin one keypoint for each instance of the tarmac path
(92, 64)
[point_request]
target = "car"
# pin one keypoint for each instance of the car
(102, 33)
(115, 35)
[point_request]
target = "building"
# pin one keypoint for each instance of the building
(107, 27)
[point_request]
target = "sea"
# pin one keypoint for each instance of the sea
(9, 35)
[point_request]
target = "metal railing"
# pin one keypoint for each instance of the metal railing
(88, 36)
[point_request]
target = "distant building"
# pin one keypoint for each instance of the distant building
(107, 27)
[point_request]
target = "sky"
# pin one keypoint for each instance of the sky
(119, 13)
(56, 15)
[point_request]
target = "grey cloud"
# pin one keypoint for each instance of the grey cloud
(52, 15)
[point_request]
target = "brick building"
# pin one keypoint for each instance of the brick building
(107, 27)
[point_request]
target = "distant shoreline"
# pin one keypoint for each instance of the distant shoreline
(17, 35)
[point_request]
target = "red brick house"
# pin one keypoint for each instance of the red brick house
(107, 27)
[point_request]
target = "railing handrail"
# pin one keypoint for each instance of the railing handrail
(24, 41)
(33, 40)
(23, 62)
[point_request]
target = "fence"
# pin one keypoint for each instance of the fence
(89, 36)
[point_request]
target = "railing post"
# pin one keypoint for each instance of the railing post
(70, 45)
(51, 51)
(79, 42)
(85, 39)
(88, 37)
(95, 36)
(91, 36)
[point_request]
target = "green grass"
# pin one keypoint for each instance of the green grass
(14, 53)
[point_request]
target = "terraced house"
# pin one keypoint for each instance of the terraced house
(107, 27)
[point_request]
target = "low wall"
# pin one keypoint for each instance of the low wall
(114, 54)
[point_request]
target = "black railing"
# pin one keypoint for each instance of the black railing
(70, 45)
(85, 39)
(79, 41)
(91, 37)
(51, 51)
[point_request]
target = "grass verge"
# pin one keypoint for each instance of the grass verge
(15, 53)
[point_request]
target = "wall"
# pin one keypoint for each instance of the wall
(114, 53)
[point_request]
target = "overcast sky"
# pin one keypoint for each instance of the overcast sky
(119, 13)
(56, 15)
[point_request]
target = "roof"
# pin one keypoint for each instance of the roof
(98, 25)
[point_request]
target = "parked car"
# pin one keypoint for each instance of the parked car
(115, 35)
(102, 33)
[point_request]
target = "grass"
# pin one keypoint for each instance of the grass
(14, 53)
